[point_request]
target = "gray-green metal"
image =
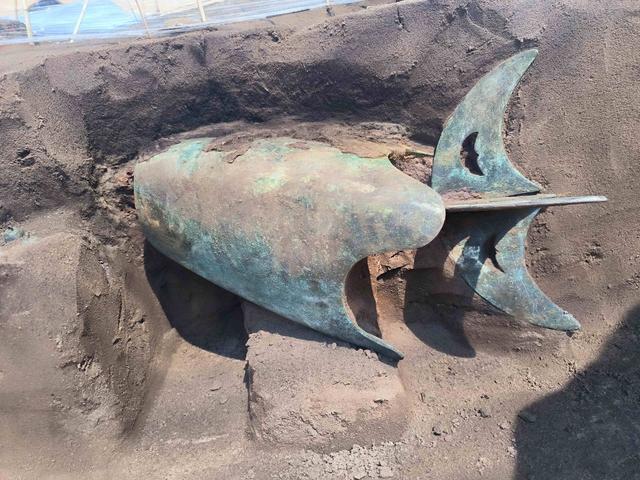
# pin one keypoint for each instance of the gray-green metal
(283, 223)
(489, 253)
(525, 201)
(489, 248)
(481, 112)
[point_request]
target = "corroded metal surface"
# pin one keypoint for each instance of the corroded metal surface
(525, 201)
(489, 248)
(489, 253)
(284, 222)
(281, 222)
(478, 119)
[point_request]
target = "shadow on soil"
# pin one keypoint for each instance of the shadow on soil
(591, 429)
(211, 318)
(205, 315)
(435, 307)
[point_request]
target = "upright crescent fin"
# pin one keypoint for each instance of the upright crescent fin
(488, 247)
(477, 124)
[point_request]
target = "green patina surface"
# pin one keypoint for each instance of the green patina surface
(269, 182)
(482, 112)
(13, 234)
(284, 223)
(489, 251)
(478, 242)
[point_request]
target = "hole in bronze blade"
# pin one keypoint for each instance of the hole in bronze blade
(469, 155)
(490, 254)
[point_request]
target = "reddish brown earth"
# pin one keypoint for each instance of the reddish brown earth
(117, 363)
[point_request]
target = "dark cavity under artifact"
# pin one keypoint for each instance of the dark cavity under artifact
(285, 221)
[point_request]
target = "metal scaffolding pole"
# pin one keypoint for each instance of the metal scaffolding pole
(144, 18)
(85, 4)
(203, 17)
(27, 19)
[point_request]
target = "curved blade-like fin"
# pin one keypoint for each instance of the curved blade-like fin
(470, 155)
(489, 251)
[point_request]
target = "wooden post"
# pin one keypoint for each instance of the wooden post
(144, 18)
(27, 19)
(85, 4)
(203, 17)
(15, 6)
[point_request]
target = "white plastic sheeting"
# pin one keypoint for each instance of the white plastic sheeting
(56, 20)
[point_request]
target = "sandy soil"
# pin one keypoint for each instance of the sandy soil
(117, 363)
